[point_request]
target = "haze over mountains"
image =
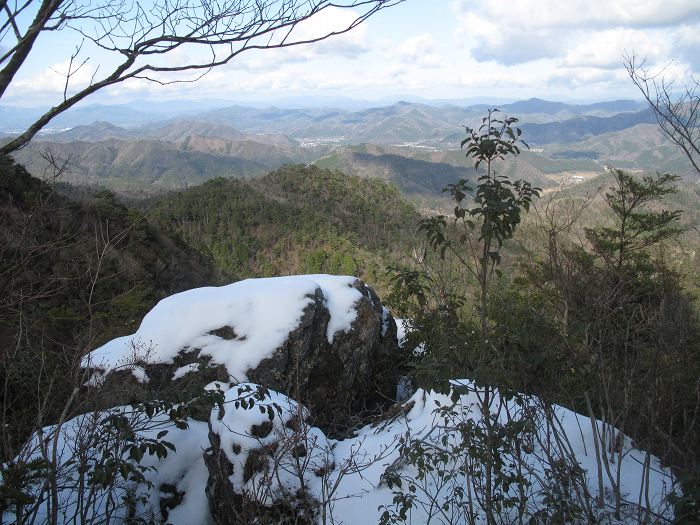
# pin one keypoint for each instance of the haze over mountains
(415, 145)
(413, 120)
(139, 112)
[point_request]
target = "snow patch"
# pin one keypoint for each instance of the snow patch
(385, 320)
(184, 370)
(341, 296)
(258, 315)
(140, 374)
(401, 329)
(217, 385)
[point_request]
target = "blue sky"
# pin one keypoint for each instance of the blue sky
(555, 49)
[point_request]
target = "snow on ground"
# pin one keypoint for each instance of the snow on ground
(87, 445)
(261, 312)
(184, 370)
(403, 327)
(291, 457)
(422, 420)
(346, 477)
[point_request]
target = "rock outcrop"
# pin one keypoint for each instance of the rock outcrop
(340, 377)
(333, 347)
(324, 341)
(274, 450)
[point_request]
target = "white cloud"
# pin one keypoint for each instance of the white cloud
(604, 49)
(255, 70)
(488, 40)
(439, 49)
(578, 76)
(420, 50)
(581, 13)
(350, 45)
(52, 80)
(330, 20)
(688, 44)
(689, 35)
(579, 42)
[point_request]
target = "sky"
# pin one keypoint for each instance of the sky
(569, 50)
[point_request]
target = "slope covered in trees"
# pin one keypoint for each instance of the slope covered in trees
(294, 220)
(539, 340)
(73, 273)
(78, 267)
(141, 165)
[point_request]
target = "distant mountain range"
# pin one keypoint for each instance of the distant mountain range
(414, 145)
(421, 120)
(177, 154)
(581, 128)
(400, 123)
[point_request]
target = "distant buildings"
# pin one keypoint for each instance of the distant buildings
(572, 179)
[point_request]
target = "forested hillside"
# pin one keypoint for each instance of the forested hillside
(563, 319)
(138, 167)
(324, 262)
(79, 267)
(73, 274)
(294, 220)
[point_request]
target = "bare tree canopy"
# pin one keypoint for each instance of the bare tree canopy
(677, 108)
(135, 36)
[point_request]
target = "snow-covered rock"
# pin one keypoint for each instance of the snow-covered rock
(263, 454)
(322, 337)
(263, 459)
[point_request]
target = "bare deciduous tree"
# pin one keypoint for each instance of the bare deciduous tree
(677, 109)
(131, 37)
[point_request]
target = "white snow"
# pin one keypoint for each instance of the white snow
(385, 320)
(353, 488)
(85, 439)
(403, 327)
(419, 423)
(404, 388)
(261, 312)
(217, 385)
(184, 370)
(235, 430)
(341, 297)
(140, 374)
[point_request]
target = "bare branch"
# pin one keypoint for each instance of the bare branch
(677, 112)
